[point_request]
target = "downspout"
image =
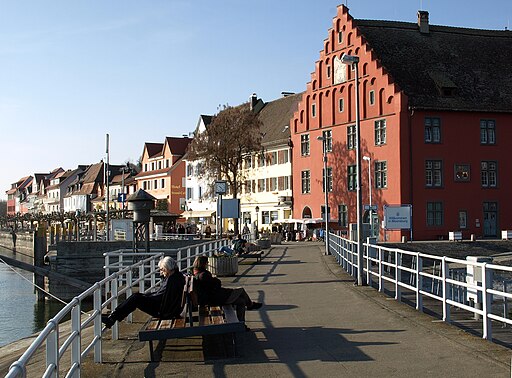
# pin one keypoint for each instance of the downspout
(411, 194)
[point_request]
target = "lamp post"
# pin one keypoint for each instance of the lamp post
(256, 228)
(369, 160)
(353, 61)
(326, 195)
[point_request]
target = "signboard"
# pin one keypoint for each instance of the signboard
(397, 217)
(370, 207)
(231, 208)
(121, 197)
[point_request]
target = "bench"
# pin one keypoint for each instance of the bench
(195, 321)
(258, 255)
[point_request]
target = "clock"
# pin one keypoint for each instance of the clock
(220, 187)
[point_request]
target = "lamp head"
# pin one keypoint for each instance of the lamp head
(349, 59)
(367, 158)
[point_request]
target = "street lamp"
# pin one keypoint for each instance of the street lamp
(256, 228)
(353, 61)
(369, 160)
(326, 196)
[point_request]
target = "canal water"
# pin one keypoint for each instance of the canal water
(21, 314)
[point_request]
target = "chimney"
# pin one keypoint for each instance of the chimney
(253, 100)
(423, 22)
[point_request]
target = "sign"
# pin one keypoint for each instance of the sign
(397, 217)
(370, 207)
(121, 197)
(220, 187)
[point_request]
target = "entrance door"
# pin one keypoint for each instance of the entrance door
(490, 219)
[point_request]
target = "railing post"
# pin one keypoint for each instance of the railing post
(97, 326)
(180, 263)
(107, 272)
(52, 350)
(419, 283)
(129, 284)
(444, 274)
(142, 278)
(381, 280)
(505, 303)
(113, 304)
(486, 302)
(77, 340)
(398, 275)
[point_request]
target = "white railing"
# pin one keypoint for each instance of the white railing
(441, 278)
(124, 271)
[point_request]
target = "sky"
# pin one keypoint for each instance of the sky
(73, 71)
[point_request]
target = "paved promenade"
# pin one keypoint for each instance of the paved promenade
(314, 323)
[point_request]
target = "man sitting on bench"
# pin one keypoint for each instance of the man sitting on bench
(165, 303)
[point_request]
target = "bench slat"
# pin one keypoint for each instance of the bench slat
(230, 314)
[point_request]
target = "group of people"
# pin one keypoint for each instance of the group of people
(166, 302)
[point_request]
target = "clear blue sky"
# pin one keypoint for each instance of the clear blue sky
(73, 71)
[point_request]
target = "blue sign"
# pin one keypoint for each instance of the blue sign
(121, 197)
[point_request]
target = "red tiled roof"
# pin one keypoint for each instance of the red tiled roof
(178, 145)
(153, 148)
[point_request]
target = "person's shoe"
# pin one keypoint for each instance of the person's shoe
(107, 320)
(255, 306)
(247, 329)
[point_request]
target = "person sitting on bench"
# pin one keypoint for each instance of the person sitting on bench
(210, 291)
(239, 245)
(164, 303)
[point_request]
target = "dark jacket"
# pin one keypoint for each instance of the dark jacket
(172, 296)
(209, 290)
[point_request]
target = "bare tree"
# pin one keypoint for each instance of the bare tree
(232, 134)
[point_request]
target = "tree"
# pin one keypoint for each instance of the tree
(233, 133)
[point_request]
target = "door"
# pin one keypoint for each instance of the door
(490, 219)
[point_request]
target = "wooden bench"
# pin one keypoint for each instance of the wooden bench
(195, 321)
(258, 255)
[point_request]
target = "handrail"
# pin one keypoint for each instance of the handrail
(119, 280)
(429, 276)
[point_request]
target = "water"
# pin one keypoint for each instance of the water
(21, 314)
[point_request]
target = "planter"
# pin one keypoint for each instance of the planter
(264, 243)
(223, 265)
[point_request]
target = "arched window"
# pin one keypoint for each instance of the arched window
(306, 212)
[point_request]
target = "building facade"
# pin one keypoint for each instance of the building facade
(434, 127)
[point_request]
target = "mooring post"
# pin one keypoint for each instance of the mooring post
(39, 253)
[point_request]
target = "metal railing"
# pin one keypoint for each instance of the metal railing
(443, 279)
(124, 271)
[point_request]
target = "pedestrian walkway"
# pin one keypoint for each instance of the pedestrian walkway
(314, 323)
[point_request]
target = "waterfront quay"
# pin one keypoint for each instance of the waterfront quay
(314, 322)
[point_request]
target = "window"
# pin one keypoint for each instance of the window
(487, 131)
(327, 135)
(341, 105)
(328, 71)
(190, 170)
(153, 166)
(145, 185)
(162, 183)
(167, 163)
(351, 137)
(283, 157)
(273, 184)
(340, 36)
(432, 130)
(248, 162)
(433, 173)
(380, 132)
(272, 157)
(273, 216)
(265, 217)
(145, 167)
(343, 215)
(434, 214)
(190, 193)
(304, 144)
(313, 110)
(381, 174)
(462, 172)
(155, 184)
(371, 97)
(306, 182)
(329, 180)
(159, 164)
(248, 186)
(283, 183)
(351, 177)
(261, 160)
(489, 174)
(463, 219)
(261, 185)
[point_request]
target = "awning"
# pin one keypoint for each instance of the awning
(197, 213)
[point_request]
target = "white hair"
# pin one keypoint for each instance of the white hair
(168, 262)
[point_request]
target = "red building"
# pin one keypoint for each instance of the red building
(436, 127)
